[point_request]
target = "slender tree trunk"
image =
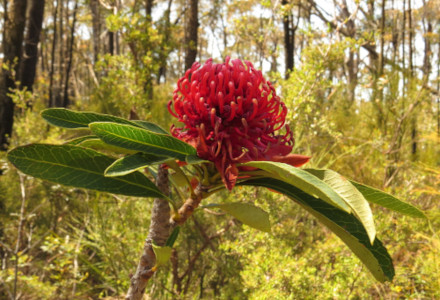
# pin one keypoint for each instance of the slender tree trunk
(52, 102)
(96, 28)
(382, 39)
(165, 41)
(351, 63)
(288, 47)
(438, 91)
(12, 48)
(30, 55)
(148, 7)
(191, 33)
(395, 36)
(62, 44)
(411, 77)
(111, 42)
(66, 100)
(403, 47)
(148, 85)
(410, 40)
(427, 66)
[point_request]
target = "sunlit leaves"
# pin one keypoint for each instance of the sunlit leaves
(78, 167)
(138, 139)
(347, 227)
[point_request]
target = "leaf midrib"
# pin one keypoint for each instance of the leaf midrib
(87, 171)
(67, 121)
(141, 142)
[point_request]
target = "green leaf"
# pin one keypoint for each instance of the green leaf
(193, 159)
(360, 207)
(149, 126)
(79, 167)
(302, 180)
(386, 200)
(135, 138)
(80, 139)
(173, 237)
(99, 145)
(66, 118)
(247, 213)
(132, 163)
(346, 226)
(163, 254)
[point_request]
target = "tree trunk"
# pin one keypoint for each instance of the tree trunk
(148, 8)
(165, 41)
(96, 27)
(411, 75)
(52, 102)
(288, 46)
(12, 48)
(66, 100)
(382, 39)
(158, 233)
(30, 54)
(351, 62)
(191, 34)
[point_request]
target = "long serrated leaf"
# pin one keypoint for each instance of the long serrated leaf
(135, 138)
(360, 207)
(247, 213)
(386, 200)
(347, 227)
(78, 167)
(302, 180)
(132, 163)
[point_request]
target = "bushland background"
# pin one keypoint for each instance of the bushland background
(361, 80)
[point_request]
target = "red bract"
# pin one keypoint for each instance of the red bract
(231, 115)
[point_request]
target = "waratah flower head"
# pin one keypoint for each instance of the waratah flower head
(231, 115)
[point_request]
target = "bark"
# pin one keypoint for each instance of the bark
(96, 28)
(382, 39)
(160, 227)
(191, 33)
(411, 70)
(395, 35)
(148, 7)
(288, 43)
(30, 54)
(66, 100)
(351, 63)
(12, 48)
(52, 57)
(403, 40)
(111, 42)
(159, 232)
(289, 38)
(427, 66)
(166, 38)
(410, 39)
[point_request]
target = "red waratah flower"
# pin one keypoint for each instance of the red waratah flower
(231, 115)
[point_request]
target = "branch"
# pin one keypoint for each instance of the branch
(160, 227)
(159, 232)
(192, 260)
(188, 207)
